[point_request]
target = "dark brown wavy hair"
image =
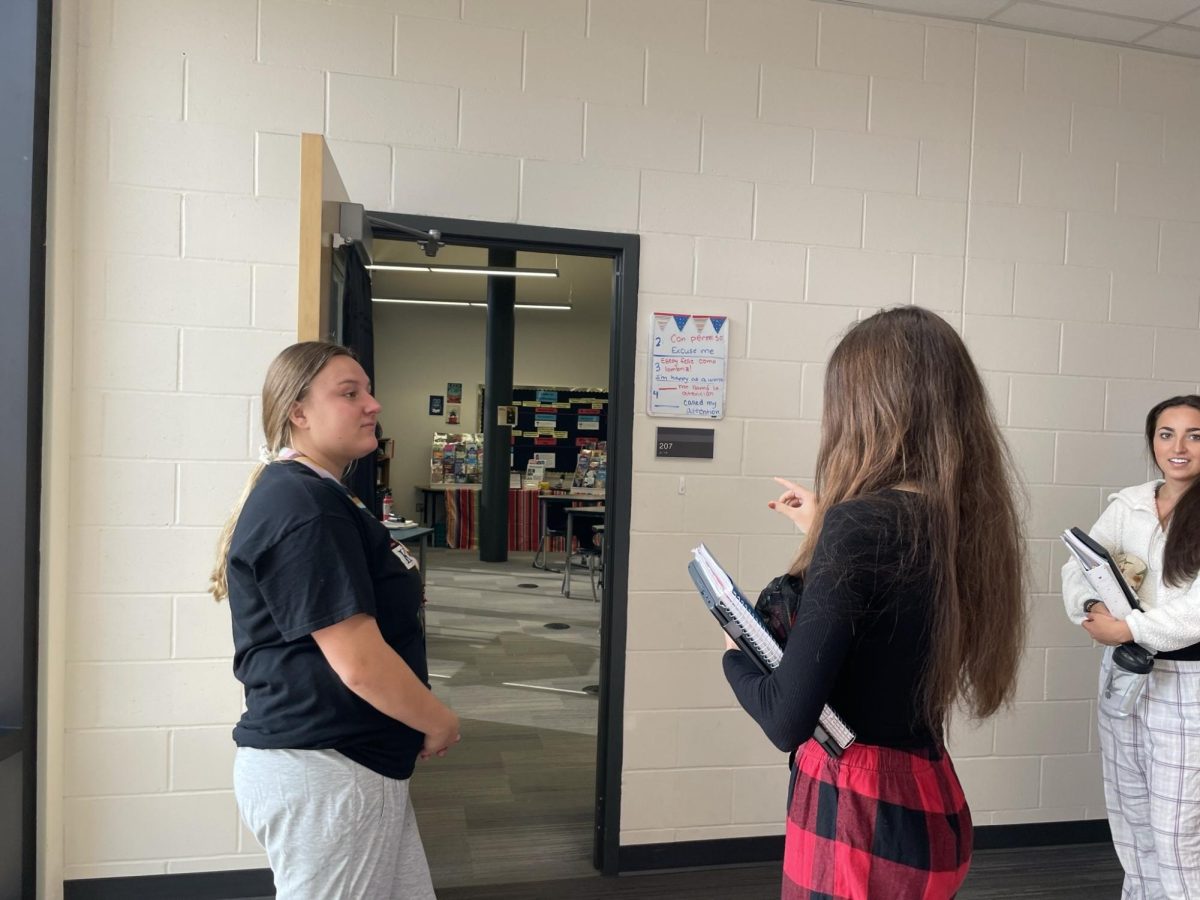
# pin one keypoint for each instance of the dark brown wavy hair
(904, 404)
(1181, 555)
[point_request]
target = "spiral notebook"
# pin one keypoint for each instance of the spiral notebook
(742, 623)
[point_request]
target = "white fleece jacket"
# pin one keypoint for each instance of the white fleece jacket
(1171, 616)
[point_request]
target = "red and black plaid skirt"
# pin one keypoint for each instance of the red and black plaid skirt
(876, 824)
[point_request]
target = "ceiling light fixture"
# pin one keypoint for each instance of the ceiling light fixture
(465, 270)
(421, 302)
(470, 303)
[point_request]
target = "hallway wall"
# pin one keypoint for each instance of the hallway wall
(1042, 194)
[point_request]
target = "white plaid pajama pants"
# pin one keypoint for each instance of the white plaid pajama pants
(1151, 764)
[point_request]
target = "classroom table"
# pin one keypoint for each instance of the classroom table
(461, 502)
(430, 494)
(545, 500)
(586, 513)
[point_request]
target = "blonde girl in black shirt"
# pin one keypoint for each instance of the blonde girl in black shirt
(329, 647)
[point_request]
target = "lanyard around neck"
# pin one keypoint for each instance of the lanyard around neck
(287, 453)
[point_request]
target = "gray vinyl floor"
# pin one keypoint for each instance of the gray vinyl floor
(1081, 872)
(514, 801)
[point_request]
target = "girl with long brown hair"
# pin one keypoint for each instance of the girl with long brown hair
(912, 601)
(1150, 751)
(329, 646)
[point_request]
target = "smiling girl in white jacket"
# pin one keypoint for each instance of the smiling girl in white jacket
(1151, 757)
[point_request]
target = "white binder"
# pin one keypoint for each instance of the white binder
(731, 608)
(1101, 572)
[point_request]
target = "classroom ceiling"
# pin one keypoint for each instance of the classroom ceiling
(584, 282)
(1170, 26)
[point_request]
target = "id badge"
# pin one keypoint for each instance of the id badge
(402, 554)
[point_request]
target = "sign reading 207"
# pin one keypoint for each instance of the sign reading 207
(687, 365)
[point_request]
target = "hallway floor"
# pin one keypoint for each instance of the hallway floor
(514, 800)
(1076, 872)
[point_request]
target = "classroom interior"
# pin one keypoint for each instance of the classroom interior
(513, 633)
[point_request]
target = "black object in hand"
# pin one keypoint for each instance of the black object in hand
(777, 605)
(1133, 658)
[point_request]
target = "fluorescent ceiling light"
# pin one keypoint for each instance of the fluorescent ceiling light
(466, 270)
(423, 302)
(470, 303)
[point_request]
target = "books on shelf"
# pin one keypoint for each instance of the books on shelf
(591, 468)
(737, 616)
(456, 458)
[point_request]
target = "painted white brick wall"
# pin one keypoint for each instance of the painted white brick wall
(1043, 194)
(568, 195)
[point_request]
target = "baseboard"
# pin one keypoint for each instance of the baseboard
(1042, 834)
(697, 854)
(191, 886)
(246, 883)
(746, 851)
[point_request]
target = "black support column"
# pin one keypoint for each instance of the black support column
(497, 391)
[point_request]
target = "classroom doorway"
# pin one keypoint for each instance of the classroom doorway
(537, 676)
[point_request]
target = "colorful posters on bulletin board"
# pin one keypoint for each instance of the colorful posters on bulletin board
(688, 355)
(557, 422)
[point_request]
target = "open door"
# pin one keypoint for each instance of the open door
(321, 195)
(332, 227)
(334, 301)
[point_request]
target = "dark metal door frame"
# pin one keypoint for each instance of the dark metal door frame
(24, 154)
(623, 250)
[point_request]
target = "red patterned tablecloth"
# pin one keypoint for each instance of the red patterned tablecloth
(462, 519)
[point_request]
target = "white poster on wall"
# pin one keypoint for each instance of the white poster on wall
(687, 366)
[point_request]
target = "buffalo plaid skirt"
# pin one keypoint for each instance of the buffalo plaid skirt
(876, 824)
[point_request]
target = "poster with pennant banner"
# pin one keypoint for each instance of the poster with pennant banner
(688, 354)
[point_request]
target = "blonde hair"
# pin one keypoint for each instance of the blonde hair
(289, 377)
(904, 404)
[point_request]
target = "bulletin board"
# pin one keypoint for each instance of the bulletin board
(688, 355)
(558, 421)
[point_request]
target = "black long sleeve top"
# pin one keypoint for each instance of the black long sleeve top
(861, 636)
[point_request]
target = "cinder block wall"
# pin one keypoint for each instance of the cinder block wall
(1043, 194)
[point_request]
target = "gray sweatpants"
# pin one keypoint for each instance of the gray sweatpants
(332, 829)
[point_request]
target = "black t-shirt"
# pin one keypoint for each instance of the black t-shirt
(861, 636)
(303, 557)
